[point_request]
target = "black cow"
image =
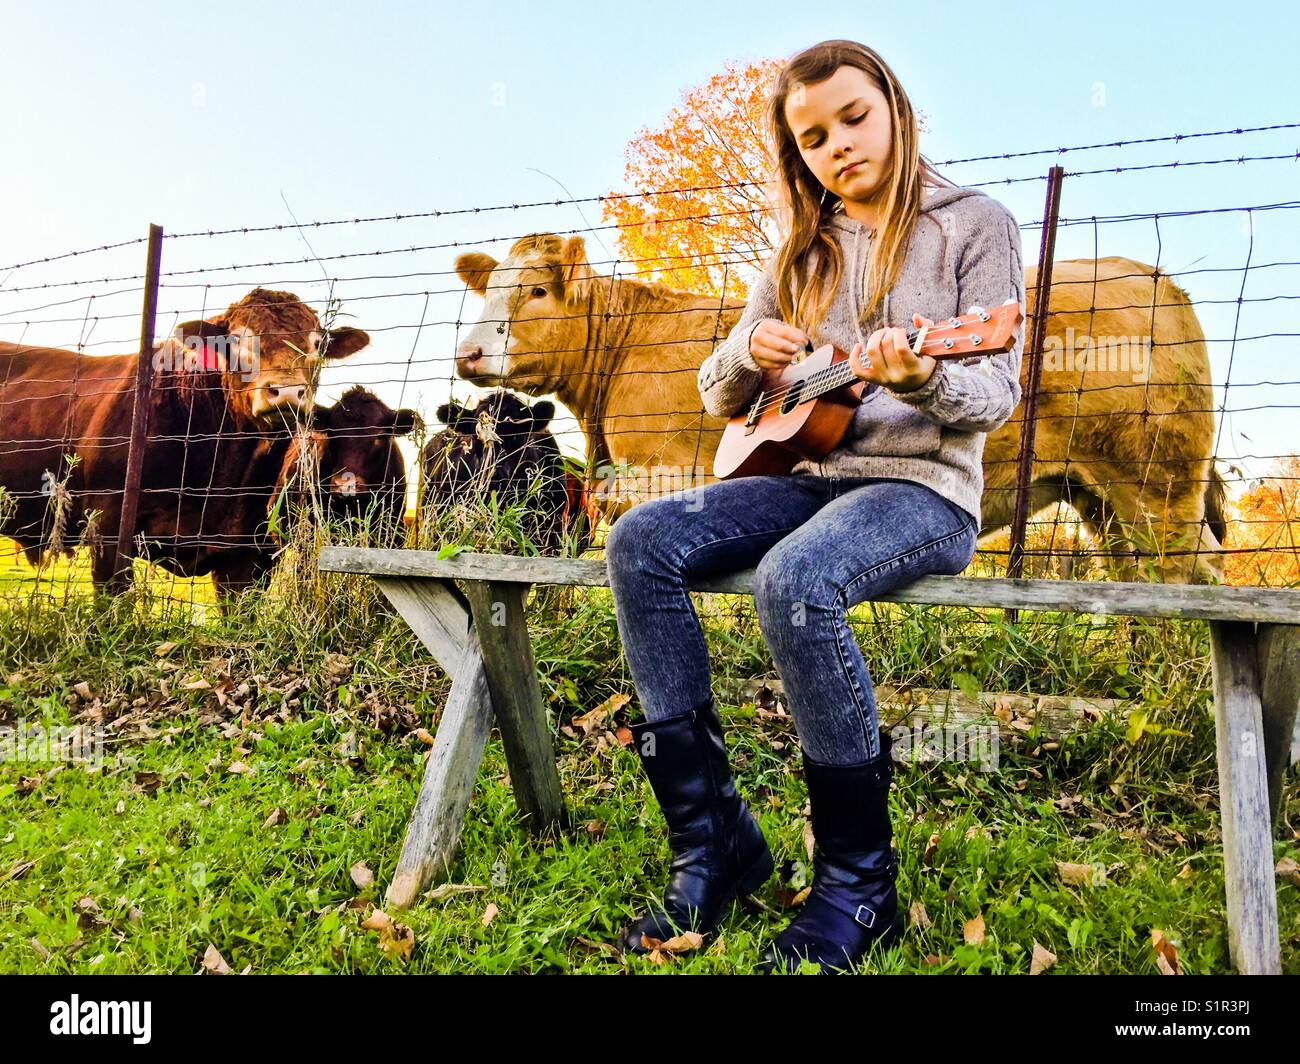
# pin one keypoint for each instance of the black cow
(359, 466)
(504, 449)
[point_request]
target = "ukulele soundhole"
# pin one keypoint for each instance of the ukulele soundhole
(791, 399)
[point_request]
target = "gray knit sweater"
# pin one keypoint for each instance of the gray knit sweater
(964, 252)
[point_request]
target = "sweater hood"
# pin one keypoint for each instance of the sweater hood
(934, 197)
(856, 236)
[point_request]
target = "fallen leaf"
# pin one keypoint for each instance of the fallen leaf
(661, 949)
(1288, 869)
(362, 876)
(1076, 875)
(973, 930)
(1166, 953)
(931, 848)
(148, 781)
(919, 917)
(489, 913)
(423, 735)
(1042, 960)
(278, 816)
(239, 768)
(214, 963)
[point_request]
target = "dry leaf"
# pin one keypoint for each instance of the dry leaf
(362, 876)
(1076, 875)
(278, 816)
(973, 930)
(930, 848)
(919, 917)
(239, 768)
(1042, 960)
(163, 649)
(1288, 869)
(661, 949)
(489, 913)
(624, 735)
(809, 841)
(423, 735)
(1166, 953)
(214, 963)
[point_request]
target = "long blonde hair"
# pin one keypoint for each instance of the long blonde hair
(805, 206)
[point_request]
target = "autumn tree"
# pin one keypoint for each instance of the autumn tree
(1265, 533)
(701, 213)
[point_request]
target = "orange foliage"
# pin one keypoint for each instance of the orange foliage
(1266, 527)
(712, 146)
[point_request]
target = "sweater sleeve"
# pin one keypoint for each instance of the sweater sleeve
(980, 395)
(729, 376)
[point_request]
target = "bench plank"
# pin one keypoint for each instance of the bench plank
(517, 697)
(1181, 601)
(434, 611)
(1253, 941)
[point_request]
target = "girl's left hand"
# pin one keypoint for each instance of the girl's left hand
(889, 361)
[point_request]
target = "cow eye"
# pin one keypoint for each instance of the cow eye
(540, 293)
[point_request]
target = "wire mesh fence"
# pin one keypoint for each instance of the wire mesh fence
(496, 377)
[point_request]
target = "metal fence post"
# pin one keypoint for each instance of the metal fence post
(1034, 352)
(139, 415)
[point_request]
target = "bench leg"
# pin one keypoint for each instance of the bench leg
(1279, 689)
(1253, 940)
(498, 609)
(434, 612)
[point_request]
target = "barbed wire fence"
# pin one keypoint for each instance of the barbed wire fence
(1122, 461)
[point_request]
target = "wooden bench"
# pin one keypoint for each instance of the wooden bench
(1255, 658)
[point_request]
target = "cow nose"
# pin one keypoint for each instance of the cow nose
(287, 394)
(468, 354)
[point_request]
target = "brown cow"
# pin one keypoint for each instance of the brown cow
(225, 391)
(1125, 427)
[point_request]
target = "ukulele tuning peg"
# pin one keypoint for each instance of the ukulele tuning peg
(983, 314)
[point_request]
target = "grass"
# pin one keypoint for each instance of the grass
(143, 861)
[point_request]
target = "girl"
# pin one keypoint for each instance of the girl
(873, 239)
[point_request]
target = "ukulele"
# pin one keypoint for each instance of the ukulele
(802, 410)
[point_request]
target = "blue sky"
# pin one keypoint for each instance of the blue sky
(202, 117)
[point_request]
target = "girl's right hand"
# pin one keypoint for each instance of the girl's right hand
(773, 343)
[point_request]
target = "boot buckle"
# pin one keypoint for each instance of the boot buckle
(870, 912)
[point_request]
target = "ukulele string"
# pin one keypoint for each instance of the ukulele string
(770, 399)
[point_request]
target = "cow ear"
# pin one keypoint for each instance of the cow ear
(455, 416)
(345, 341)
(542, 414)
(185, 329)
(474, 268)
(575, 271)
(406, 422)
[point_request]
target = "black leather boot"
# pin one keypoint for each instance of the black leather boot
(853, 903)
(718, 848)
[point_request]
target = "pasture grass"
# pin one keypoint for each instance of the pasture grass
(232, 820)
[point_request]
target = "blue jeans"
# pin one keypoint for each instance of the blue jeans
(821, 544)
